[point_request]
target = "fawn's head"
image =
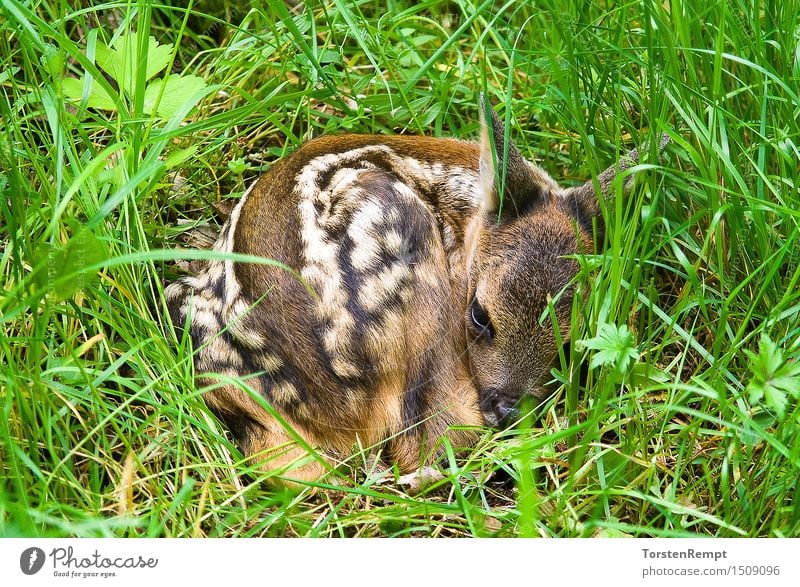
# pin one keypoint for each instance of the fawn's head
(521, 270)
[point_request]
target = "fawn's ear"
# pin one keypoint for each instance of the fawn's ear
(503, 170)
(584, 200)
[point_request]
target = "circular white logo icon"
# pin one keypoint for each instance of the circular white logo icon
(31, 560)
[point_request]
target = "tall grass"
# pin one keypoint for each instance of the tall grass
(103, 432)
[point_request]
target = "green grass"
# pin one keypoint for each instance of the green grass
(102, 431)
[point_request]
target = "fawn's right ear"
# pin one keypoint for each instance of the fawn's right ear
(584, 200)
(510, 185)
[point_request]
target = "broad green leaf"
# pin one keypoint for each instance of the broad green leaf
(113, 173)
(178, 91)
(238, 166)
(97, 98)
(7, 74)
(788, 380)
(643, 374)
(64, 271)
(120, 61)
(776, 400)
(178, 156)
(773, 377)
(53, 59)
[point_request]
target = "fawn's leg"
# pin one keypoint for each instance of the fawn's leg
(269, 445)
(265, 441)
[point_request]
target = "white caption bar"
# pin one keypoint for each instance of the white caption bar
(389, 563)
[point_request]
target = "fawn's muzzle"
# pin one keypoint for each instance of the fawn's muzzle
(499, 409)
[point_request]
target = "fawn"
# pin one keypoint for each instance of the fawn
(427, 265)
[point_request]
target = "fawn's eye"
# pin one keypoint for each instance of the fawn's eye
(480, 319)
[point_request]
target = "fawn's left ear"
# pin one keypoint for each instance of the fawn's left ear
(503, 170)
(584, 200)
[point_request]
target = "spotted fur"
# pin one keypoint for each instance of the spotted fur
(406, 252)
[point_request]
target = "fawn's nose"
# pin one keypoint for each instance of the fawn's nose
(499, 409)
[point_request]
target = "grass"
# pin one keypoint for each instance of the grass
(696, 434)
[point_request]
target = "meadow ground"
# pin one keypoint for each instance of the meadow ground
(684, 421)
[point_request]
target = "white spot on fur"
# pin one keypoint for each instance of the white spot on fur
(213, 273)
(318, 250)
(313, 274)
(336, 339)
(344, 368)
(382, 285)
(344, 179)
(284, 392)
(366, 217)
(235, 316)
(394, 242)
(365, 254)
(248, 337)
(271, 363)
(362, 231)
(423, 173)
(175, 290)
(238, 308)
(429, 274)
(405, 191)
(221, 353)
(204, 313)
(322, 269)
(391, 277)
(333, 296)
(406, 294)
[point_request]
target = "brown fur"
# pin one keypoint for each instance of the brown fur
(404, 243)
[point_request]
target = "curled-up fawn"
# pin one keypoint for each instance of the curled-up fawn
(430, 262)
